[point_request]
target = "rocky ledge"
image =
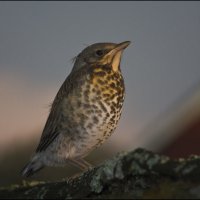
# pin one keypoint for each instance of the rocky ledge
(129, 175)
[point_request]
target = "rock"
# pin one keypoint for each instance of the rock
(136, 174)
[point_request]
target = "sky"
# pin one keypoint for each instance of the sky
(39, 39)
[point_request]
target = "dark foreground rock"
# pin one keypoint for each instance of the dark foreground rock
(132, 175)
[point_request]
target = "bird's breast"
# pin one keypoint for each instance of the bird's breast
(95, 107)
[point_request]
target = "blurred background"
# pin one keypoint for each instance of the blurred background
(161, 71)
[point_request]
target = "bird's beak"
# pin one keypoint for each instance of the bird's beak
(115, 54)
(122, 46)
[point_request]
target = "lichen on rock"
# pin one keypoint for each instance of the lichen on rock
(136, 174)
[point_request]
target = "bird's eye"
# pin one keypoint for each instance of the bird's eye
(99, 53)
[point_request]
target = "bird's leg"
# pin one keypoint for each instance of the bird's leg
(80, 163)
(85, 163)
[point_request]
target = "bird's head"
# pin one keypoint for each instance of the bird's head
(101, 54)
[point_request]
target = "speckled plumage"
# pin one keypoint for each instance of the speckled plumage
(85, 110)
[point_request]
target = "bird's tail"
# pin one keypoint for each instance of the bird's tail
(32, 167)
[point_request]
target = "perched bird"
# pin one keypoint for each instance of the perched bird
(85, 110)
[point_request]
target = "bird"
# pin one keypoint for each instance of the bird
(85, 110)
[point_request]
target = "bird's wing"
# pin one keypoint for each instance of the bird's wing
(51, 131)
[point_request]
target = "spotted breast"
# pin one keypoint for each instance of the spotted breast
(97, 103)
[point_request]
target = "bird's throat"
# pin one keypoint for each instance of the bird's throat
(116, 61)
